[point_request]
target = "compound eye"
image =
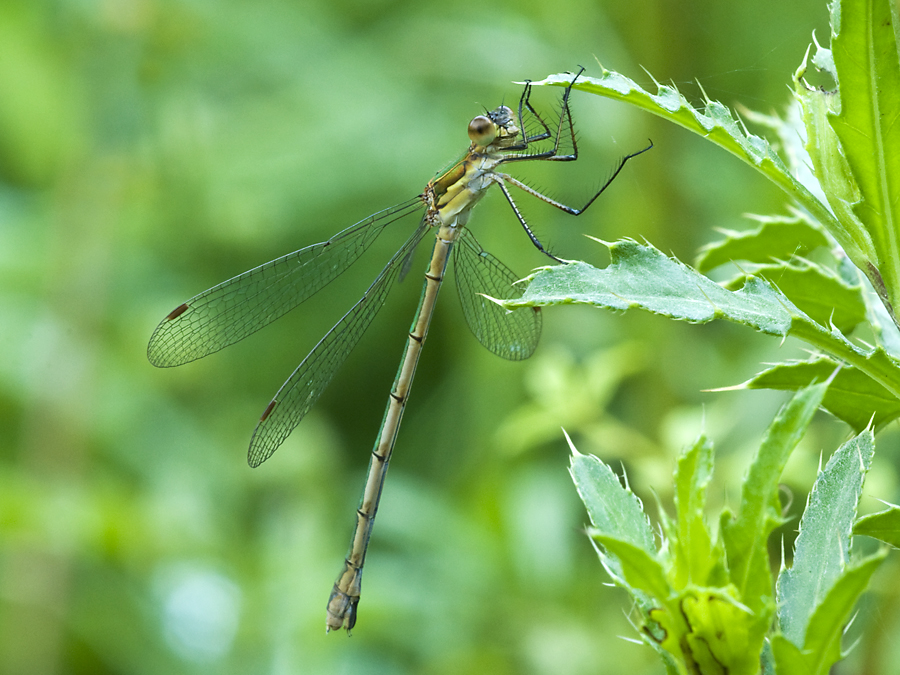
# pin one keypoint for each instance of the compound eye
(482, 131)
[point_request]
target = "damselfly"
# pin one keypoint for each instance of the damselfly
(240, 306)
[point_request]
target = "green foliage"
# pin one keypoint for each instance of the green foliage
(594, 482)
(706, 604)
(816, 291)
(715, 122)
(853, 139)
(821, 647)
(712, 600)
(642, 277)
(860, 185)
(803, 283)
(862, 129)
(746, 534)
(822, 549)
(884, 525)
(776, 238)
(852, 396)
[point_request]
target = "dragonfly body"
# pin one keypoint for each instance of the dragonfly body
(238, 307)
(449, 200)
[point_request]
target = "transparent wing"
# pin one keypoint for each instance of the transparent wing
(512, 335)
(306, 384)
(234, 309)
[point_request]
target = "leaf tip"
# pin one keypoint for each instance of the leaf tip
(572, 447)
(607, 244)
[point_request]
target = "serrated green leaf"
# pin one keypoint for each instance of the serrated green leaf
(864, 47)
(692, 545)
(832, 170)
(792, 143)
(776, 238)
(823, 637)
(822, 548)
(816, 291)
(747, 536)
(853, 140)
(717, 124)
(714, 123)
(640, 569)
(642, 277)
(822, 645)
(614, 510)
(884, 526)
(852, 396)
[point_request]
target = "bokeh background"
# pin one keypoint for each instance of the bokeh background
(152, 148)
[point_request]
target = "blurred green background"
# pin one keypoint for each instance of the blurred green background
(152, 148)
